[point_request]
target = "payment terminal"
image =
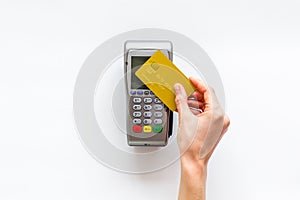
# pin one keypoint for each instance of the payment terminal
(149, 122)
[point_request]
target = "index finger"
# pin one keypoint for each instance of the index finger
(202, 88)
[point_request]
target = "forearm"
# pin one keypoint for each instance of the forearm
(193, 180)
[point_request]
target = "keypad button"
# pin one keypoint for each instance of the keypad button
(140, 92)
(151, 93)
(147, 114)
(157, 100)
(157, 121)
(157, 129)
(137, 107)
(147, 129)
(147, 121)
(158, 114)
(137, 100)
(137, 129)
(137, 114)
(146, 92)
(132, 92)
(158, 107)
(147, 100)
(147, 107)
(137, 121)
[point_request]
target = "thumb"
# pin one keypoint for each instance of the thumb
(181, 100)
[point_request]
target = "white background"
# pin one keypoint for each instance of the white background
(255, 45)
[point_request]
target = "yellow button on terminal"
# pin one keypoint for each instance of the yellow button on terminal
(147, 129)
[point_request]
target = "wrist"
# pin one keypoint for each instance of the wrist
(193, 179)
(193, 167)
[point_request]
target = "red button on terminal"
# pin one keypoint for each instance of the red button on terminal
(137, 129)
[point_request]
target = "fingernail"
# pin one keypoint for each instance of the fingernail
(177, 88)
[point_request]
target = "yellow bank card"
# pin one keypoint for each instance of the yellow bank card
(159, 74)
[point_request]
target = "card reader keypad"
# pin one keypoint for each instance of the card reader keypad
(147, 112)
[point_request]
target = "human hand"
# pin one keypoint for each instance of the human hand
(202, 121)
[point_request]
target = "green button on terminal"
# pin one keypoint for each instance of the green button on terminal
(157, 129)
